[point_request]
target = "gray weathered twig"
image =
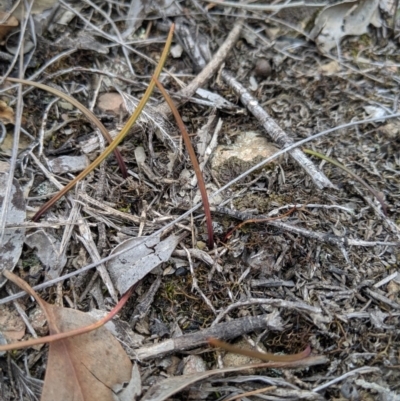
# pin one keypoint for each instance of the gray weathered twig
(226, 331)
(277, 134)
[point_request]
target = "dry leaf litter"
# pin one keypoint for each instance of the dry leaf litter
(318, 264)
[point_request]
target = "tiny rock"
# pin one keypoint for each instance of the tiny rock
(250, 148)
(111, 103)
(193, 364)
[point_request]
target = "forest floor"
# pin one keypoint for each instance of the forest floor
(300, 258)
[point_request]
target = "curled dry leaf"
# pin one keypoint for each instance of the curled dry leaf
(13, 239)
(130, 267)
(87, 367)
(344, 19)
(48, 250)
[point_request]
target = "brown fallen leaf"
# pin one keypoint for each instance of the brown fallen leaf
(87, 367)
(7, 24)
(6, 112)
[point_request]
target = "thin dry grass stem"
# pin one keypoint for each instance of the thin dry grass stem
(46, 172)
(24, 316)
(119, 137)
(116, 30)
(112, 38)
(151, 116)
(53, 60)
(44, 123)
(210, 148)
(266, 7)
(364, 369)
(311, 206)
(86, 200)
(210, 69)
(193, 158)
(86, 239)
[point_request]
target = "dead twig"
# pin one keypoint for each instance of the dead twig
(195, 284)
(364, 369)
(209, 70)
(271, 127)
(228, 330)
(277, 303)
(275, 131)
(264, 356)
(173, 385)
(322, 237)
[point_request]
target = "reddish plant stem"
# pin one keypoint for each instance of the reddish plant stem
(193, 158)
(55, 337)
(240, 225)
(264, 356)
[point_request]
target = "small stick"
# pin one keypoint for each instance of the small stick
(277, 134)
(209, 70)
